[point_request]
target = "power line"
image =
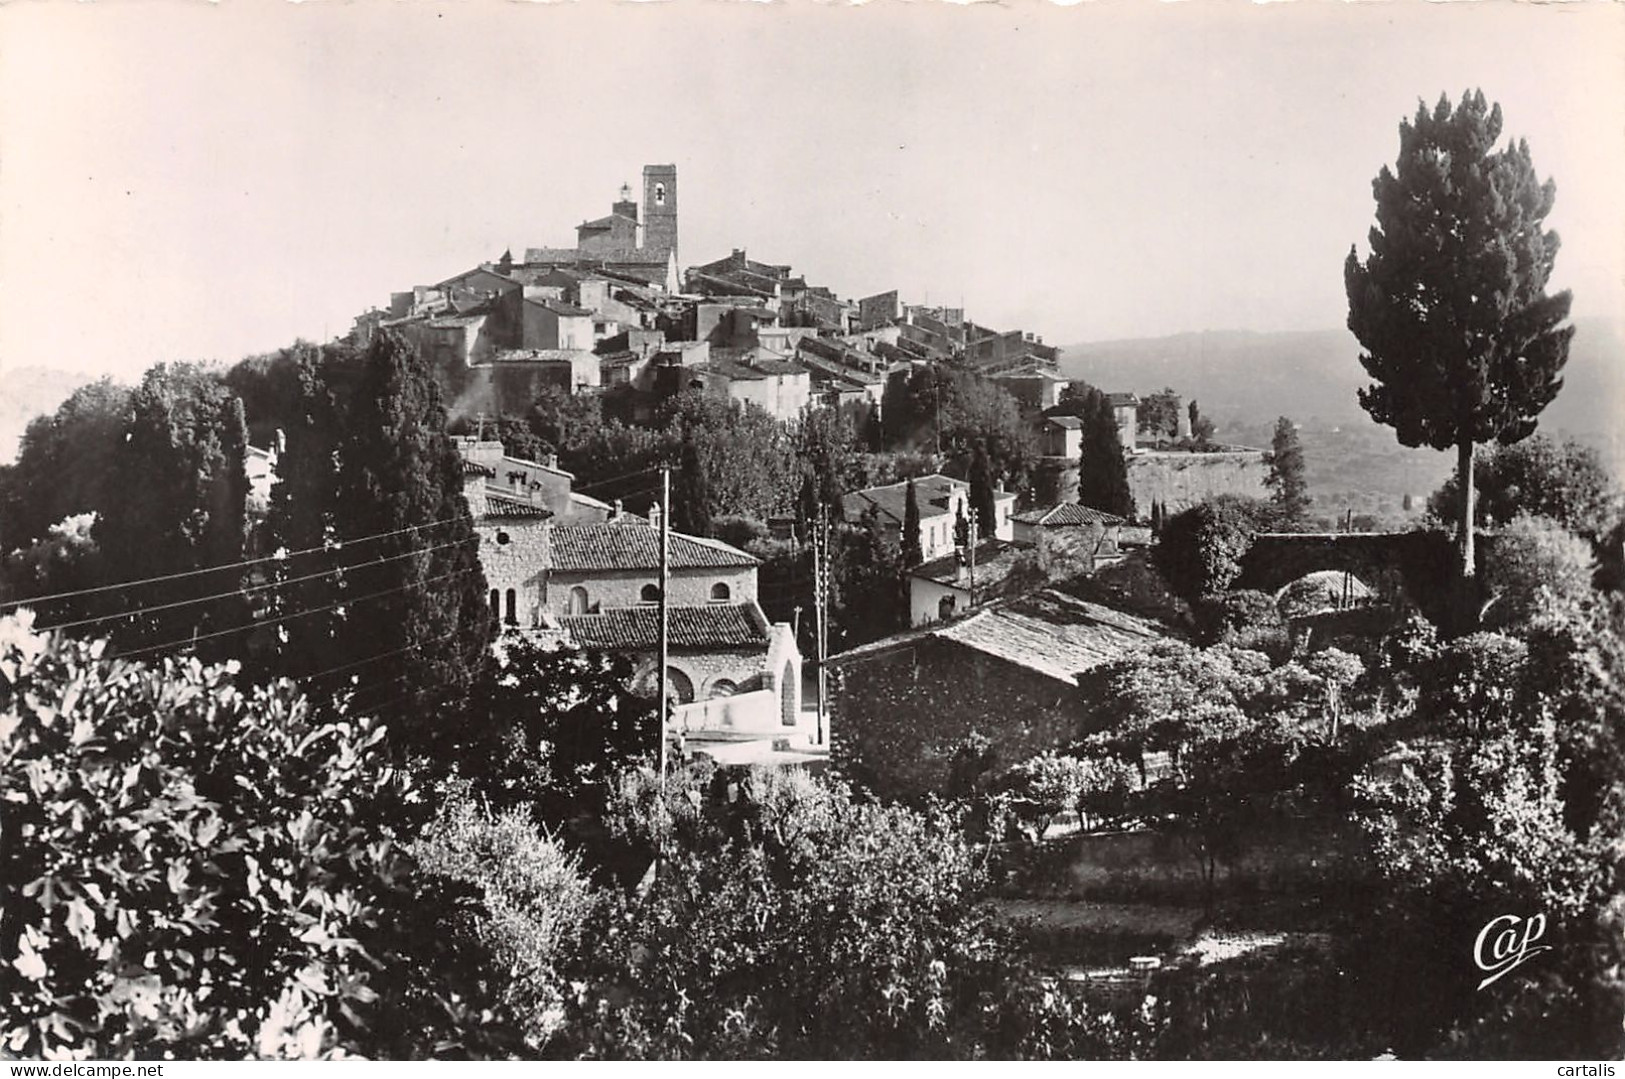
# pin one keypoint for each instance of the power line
(337, 545)
(289, 617)
(246, 590)
(373, 659)
(617, 479)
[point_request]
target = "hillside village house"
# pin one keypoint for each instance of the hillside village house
(949, 586)
(942, 500)
(576, 571)
(1081, 528)
(1022, 673)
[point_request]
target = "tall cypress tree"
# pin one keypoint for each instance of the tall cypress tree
(909, 546)
(1102, 469)
(981, 491)
(1461, 339)
(417, 615)
(301, 517)
(175, 503)
(1289, 489)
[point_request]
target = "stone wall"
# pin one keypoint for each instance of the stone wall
(689, 587)
(898, 717)
(1180, 480)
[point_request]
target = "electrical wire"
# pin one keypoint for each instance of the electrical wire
(247, 589)
(334, 546)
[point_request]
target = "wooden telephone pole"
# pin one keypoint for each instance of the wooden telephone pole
(665, 643)
(821, 608)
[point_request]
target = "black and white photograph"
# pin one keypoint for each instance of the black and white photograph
(790, 530)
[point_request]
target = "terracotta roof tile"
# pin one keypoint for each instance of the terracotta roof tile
(1049, 632)
(638, 628)
(498, 506)
(629, 545)
(1067, 513)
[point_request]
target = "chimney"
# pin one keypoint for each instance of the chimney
(281, 443)
(615, 510)
(654, 515)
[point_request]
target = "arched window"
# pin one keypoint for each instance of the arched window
(513, 607)
(660, 194)
(496, 604)
(722, 687)
(720, 593)
(945, 607)
(578, 600)
(649, 594)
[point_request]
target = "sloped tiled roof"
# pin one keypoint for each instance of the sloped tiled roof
(931, 492)
(1071, 423)
(1067, 513)
(1048, 632)
(994, 561)
(1119, 400)
(638, 628)
(499, 506)
(628, 545)
(472, 468)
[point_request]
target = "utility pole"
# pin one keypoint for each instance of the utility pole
(821, 608)
(972, 538)
(665, 569)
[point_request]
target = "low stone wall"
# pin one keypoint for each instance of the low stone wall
(1180, 480)
(754, 712)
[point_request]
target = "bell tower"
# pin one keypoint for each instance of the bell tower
(660, 209)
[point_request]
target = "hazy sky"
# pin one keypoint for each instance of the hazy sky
(202, 181)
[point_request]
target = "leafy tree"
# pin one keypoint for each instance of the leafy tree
(191, 870)
(535, 901)
(1535, 565)
(415, 609)
(64, 464)
(825, 446)
(1463, 342)
(869, 574)
(956, 411)
(911, 552)
(1232, 745)
(67, 559)
(691, 495)
(1565, 481)
(560, 726)
(1159, 414)
(1102, 468)
(1289, 490)
(800, 893)
(1201, 549)
(176, 503)
(571, 424)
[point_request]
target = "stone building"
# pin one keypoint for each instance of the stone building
(577, 572)
(1022, 673)
(942, 500)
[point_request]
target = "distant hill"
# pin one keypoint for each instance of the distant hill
(1250, 378)
(26, 392)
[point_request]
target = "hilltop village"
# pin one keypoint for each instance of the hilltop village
(618, 318)
(594, 654)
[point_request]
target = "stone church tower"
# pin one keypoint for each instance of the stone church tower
(660, 209)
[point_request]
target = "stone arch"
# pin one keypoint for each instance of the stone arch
(1402, 569)
(679, 686)
(722, 687)
(579, 602)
